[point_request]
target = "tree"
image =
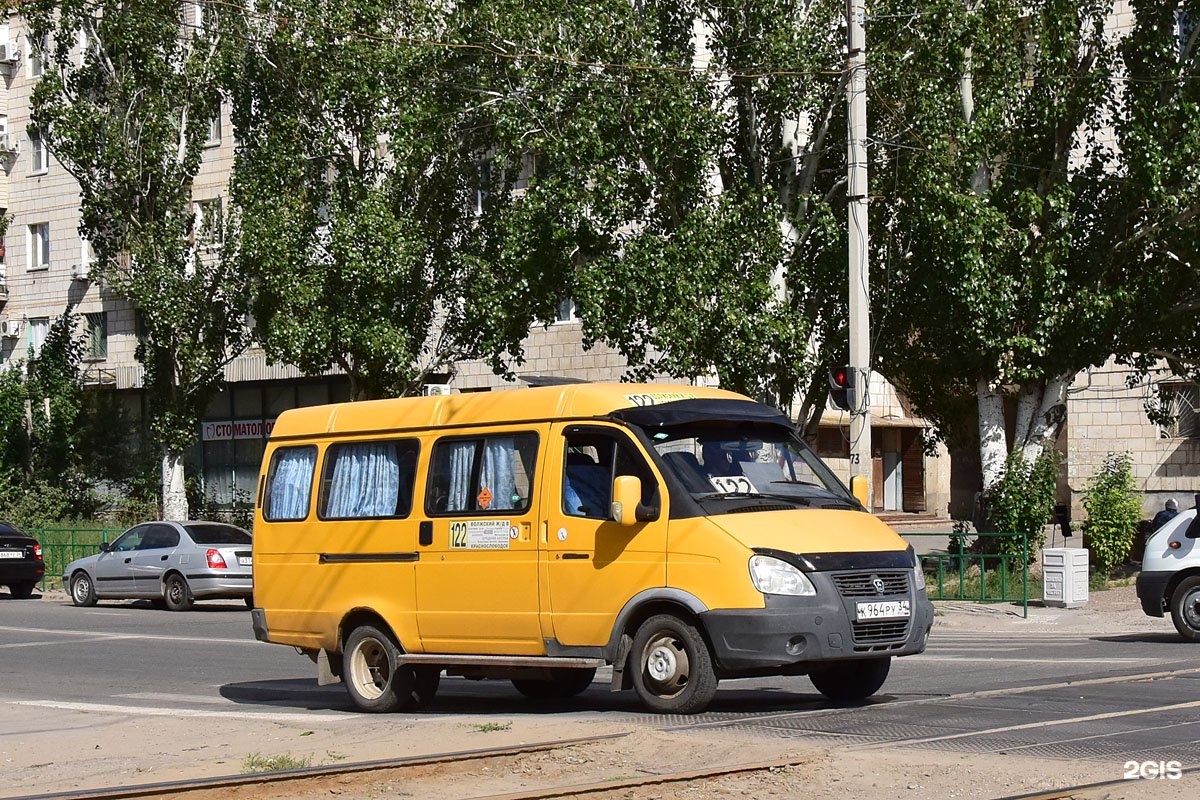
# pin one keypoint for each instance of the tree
(357, 191)
(990, 221)
(128, 117)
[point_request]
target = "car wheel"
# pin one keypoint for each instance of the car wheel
(176, 593)
(83, 591)
(375, 679)
(1185, 608)
(21, 590)
(563, 684)
(852, 680)
(426, 681)
(671, 666)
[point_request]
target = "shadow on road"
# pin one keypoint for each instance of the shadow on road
(1148, 637)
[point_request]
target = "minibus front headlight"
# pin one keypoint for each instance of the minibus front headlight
(773, 576)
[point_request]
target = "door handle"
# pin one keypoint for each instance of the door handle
(575, 556)
(128, 560)
(163, 558)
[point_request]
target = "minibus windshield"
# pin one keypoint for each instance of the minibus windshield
(725, 466)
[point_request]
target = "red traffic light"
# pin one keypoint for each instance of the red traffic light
(839, 377)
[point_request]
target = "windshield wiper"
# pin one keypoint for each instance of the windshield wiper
(788, 498)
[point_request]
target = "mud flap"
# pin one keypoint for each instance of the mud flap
(620, 680)
(329, 670)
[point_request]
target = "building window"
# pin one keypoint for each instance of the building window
(39, 327)
(833, 442)
(566, 311)
(1179, 403)
(38, 161)
(39, 245)
(97, 335)
(214, 130)
(209, 223)
(37, 67)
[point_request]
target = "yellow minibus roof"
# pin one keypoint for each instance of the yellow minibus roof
(567, 401)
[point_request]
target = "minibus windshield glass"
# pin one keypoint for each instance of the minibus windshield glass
(724, 466)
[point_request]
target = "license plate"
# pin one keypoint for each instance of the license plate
(12, 554)
(888, 609)
(244, 560)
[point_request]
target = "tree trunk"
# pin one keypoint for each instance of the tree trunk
(993, 446)
(1048, 418)
(174, 495)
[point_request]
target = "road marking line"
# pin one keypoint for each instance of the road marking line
(987, 659)
(146, 636)
(95, 638)
(1039, 724)
(154, 711)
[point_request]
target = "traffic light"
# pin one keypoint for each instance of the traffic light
(841, 388)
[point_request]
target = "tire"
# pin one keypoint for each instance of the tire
(83, 591)
(249, 602)
(852, 680)
(176, 593)
(671, 667)
(375, 679)
(21, 590)
(563, 684)
(425, 685)
(1185, 608)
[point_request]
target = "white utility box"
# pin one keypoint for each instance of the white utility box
(1064, 576)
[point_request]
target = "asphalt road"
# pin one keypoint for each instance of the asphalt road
(1046, 694)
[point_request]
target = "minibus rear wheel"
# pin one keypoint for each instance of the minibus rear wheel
(671, 666)
(563, 684)
(852, 680)
(375, 679)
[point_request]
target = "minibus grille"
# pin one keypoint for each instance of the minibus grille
(880, 634)
(862, 584)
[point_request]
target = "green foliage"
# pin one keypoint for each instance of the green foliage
(1022, 501)
(129, 122)
(1114, 509)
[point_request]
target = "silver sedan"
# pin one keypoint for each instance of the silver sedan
(173, 563)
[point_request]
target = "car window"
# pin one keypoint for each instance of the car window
(130, 540)
(289, 484)
(364, 480)
(159, 537)
(484, 474)
(215, 533)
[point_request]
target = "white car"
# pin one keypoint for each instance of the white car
(1170, 578)
(174, 563)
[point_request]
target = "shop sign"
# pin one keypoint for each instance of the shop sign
(225, 430)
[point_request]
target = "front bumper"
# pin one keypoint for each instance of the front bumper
(793, 634)
(1152, 591)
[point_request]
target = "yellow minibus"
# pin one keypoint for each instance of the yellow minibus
(678, 534)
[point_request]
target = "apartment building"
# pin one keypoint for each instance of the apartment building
(45, 269)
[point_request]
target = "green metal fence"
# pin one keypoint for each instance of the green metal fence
(958, 571)
(61, 546)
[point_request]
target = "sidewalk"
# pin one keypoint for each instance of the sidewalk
(1107, 612)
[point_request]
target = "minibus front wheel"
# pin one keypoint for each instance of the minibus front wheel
(375, 679)
(671, 666)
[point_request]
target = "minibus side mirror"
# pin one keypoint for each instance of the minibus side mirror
(858, 488)
(627, 493)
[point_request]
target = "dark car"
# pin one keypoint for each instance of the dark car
(172, 563)
(21, 564)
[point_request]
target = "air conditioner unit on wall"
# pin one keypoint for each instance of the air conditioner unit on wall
(80, 272)
(8, 144)
(8, 54)
(10, 328)
(435, 389)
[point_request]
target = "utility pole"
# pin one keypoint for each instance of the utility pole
(860, 296)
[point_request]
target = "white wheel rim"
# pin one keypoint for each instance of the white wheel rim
(667, 665)
(370, 669)
(80, 589)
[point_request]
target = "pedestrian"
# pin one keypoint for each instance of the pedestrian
(1171, 508)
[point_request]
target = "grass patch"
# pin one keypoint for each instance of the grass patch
(492, 727)
(256, 762)
(969, 586)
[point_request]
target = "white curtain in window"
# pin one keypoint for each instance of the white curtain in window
(365, 481)
(462, 456)
(293, 484)
(497, 472)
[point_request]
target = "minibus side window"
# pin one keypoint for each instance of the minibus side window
(486, 473)
(368, 480)
(289, 484)
(593, 459)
